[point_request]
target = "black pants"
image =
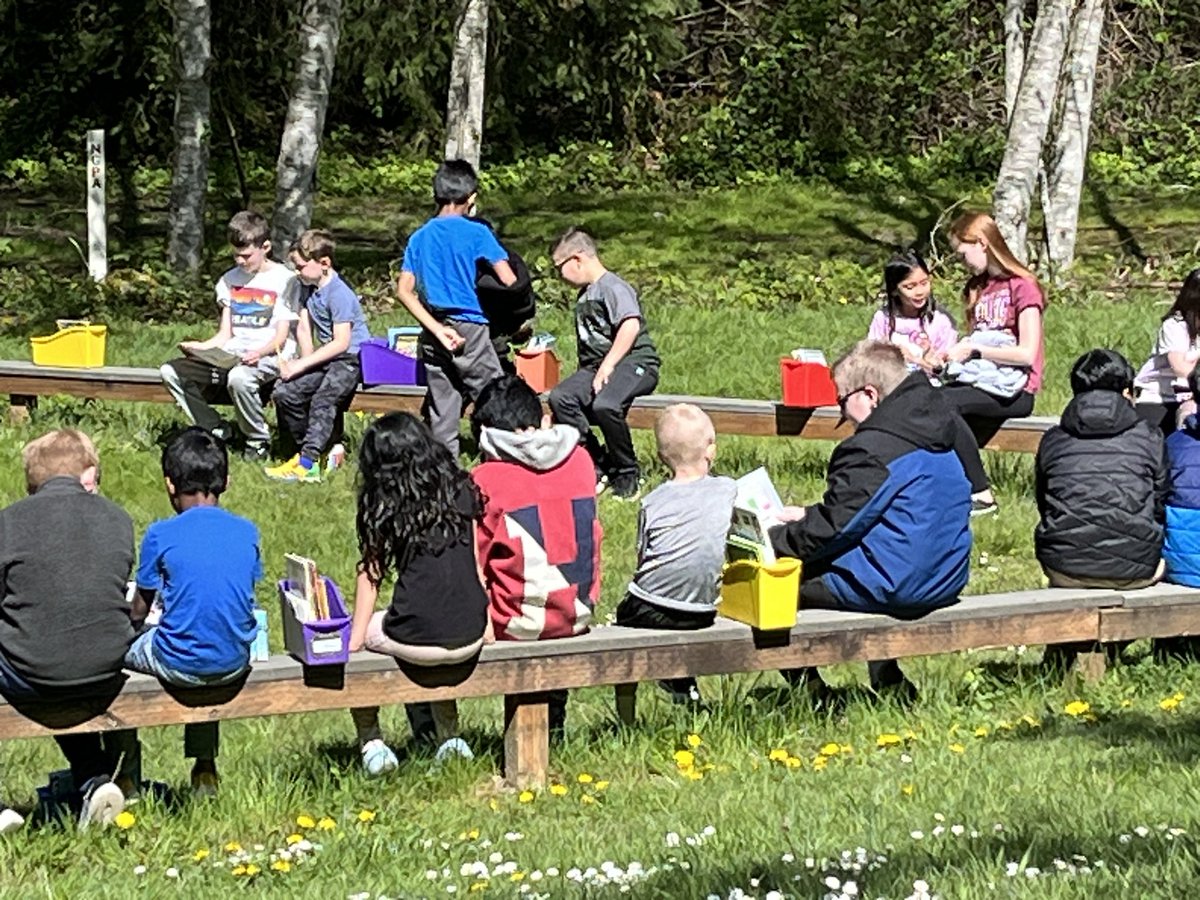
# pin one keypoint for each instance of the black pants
(883, 673)
(574, 403)
(637, 613)
(983, 413)
(1159, 415)
(310, 406)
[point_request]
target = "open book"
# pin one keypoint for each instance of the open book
(306, 592)
(214, 356)
(755, 511)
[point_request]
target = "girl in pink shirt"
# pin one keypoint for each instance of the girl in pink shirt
(1003, 300)
(910, 318)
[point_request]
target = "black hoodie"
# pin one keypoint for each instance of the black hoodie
(1101, 478)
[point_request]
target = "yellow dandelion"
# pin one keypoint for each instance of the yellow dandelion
(847, 748)
(306, 821)
(293, 839)
(1168, 703)
(233, 847)
(525, 797)
(684, 758)
(1126, 703)
(479, 886)
(694, 774)
(831, 749)
(1004, 725)
(1036, 723)
(601, 785)
(694, 740)
(888, 740)
(327, 824)
(819, 763)
(238, 870)
(200, 855)
(494, 805)
(1077, 708)
(559, 790)
(957, 748)
(910, 735)
(366, 815)
(281, 865)
(584, 778)
(778, 755)
(125, 820)
(252, 870)
(793, 762)
(517, 876)
(587, 799)
(473, 834)
(907, 789)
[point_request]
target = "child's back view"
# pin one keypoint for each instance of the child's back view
(1100, 483)
(437, 286)
(682, 528)
(203, 564)
(1181, 546)
(538, 540)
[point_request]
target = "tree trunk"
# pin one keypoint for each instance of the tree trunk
(295, 173)
(189, 178)
(1064, 179)
(1014, 53)
(464, 107)
(1032, 111)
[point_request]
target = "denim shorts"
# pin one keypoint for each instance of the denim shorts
(142, 658)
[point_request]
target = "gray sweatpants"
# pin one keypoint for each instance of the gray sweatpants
(196, 385)
(455, 379)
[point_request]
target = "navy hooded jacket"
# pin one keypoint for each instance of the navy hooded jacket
(892, 533)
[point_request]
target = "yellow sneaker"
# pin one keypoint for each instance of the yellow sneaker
(293, 471)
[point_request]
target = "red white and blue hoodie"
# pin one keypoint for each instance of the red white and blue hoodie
(539, 537)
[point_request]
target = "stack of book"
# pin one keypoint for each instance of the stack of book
(306, 589)
(755, 512)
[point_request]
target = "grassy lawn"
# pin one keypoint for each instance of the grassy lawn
(987, 787)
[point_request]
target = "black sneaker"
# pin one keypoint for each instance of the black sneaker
(256, 453)
(625, 487)
(983, 507)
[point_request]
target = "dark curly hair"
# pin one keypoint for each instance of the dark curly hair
(410, 497)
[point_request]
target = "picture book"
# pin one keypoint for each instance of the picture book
(306, 592)
(213, 356)
(755, 511)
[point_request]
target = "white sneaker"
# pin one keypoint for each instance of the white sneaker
(455, 748)
(102, 803)
(335, 458)
(378, 758)
(10, 821)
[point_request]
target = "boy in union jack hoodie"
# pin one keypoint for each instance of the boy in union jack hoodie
(538, 539)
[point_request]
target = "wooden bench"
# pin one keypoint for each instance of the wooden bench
(758, 418)
(621, 657)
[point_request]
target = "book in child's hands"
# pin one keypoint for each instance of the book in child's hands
(213, 356)
(755, 511)
(307, 589)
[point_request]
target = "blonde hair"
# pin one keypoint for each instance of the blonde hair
(971, 228)
(870, 362)
(63, 452)
(683, 432)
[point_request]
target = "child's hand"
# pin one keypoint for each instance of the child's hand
(251, 357)
(357, 640)
(449, 338)
(189, 345)
(602, 375)
(960, 352)
(489, 633)
(791, 514)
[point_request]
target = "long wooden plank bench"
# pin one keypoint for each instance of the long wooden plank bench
(759, 418)
(619, 656)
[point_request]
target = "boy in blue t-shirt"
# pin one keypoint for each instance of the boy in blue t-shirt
(317, 387)
(203, 564)
(437, 285)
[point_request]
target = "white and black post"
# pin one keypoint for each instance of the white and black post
(97, 222)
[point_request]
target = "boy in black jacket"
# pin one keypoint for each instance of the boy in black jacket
(1101, 480)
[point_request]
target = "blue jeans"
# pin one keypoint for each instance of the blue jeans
(88, 755)
(200, 739)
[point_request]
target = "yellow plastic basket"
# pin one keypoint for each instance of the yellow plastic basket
(76, 345)
(764, 597)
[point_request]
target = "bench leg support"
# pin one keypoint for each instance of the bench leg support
(526, 739)
(626, 697)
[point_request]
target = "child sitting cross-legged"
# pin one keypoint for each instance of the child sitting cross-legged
(202, 564)
(682, 528)
(416, 513)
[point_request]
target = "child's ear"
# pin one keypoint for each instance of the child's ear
(266, 248)
(90, 479)
(710, 452)
(170, 486)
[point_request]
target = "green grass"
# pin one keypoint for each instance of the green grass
(1060, 787)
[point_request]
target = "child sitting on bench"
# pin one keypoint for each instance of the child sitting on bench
(202, 564)
(682, 528)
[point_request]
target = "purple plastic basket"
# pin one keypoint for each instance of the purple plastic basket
(382, 365)
(325, 642)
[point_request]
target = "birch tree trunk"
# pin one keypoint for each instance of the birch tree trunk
(464, 107)
(189, 177)
(1032, 111)
(295, 172)
(1014, 53)
(1064, 179)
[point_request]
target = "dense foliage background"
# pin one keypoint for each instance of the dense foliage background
(697, 91)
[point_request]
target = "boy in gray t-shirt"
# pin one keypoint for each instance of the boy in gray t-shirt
(682, 528)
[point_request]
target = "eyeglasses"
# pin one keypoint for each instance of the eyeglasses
(562, 262)
(843, 399)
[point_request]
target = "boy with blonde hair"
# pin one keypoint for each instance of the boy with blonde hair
(65, 556)
(617, 362)
(682, 526)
